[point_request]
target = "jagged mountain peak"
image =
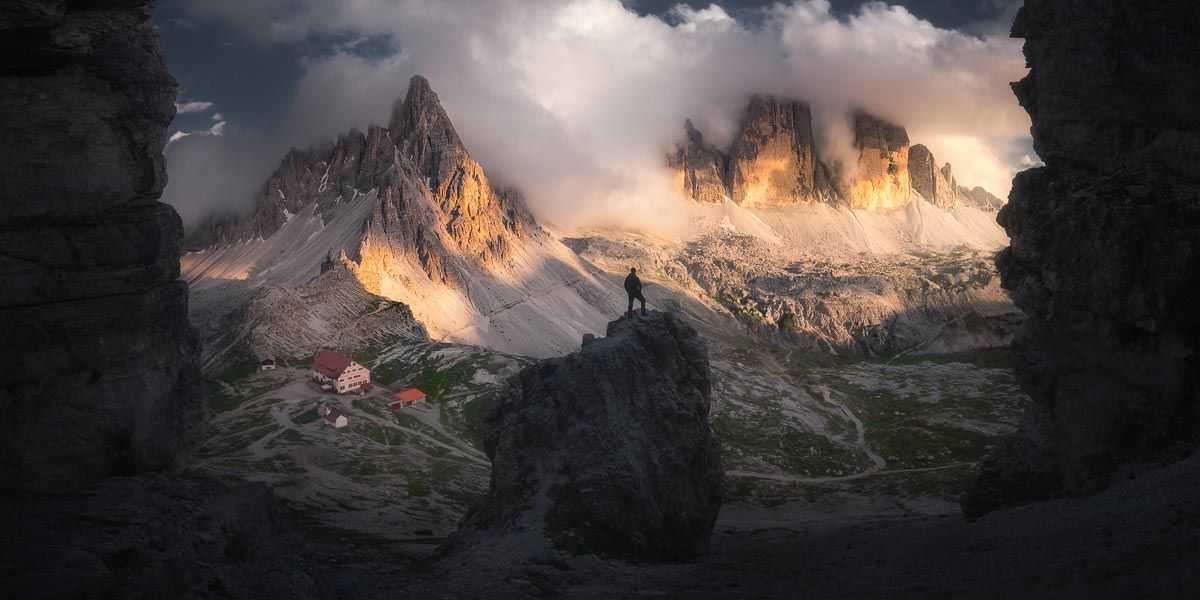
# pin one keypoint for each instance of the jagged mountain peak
(418, 221)
(420, 114)
(774, 162)
(421, 144)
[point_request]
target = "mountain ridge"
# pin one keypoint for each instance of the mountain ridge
(418, 222)
(775, 161)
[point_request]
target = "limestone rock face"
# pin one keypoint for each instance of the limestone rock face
(936, 186)
(882, 177)
(480, 218)
(607, 450)
(1105, 254)
(101, 373)
(773, 161)
(699, 168)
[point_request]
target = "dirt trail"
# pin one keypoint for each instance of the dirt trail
(877, 461)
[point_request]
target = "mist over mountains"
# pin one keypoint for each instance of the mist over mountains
(575, 103)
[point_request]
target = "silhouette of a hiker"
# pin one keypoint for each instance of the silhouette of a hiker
(633, 287)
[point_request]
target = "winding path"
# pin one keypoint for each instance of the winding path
(861, 475)
(878, 462)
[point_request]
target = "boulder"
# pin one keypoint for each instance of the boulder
(607, 450)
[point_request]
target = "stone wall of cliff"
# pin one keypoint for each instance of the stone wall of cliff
(1105, 254)
(100, 373)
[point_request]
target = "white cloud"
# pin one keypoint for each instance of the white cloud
(184, 108)
(217, 129)
(218, 117)
(576, 101)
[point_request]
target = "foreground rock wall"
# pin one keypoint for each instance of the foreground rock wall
(608, 450)
(99, 362)
(1105, 255)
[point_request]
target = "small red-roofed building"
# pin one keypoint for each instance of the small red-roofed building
(406, 397)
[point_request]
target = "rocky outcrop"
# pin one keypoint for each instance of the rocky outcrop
(699, 168)
(608, 450)
(936, 186)
(101, 375)
(773, 160)
(881, 179)
(1104, 255)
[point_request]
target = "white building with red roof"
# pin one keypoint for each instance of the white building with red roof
(340, 372)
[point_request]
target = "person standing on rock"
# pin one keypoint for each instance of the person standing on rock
(633, 287)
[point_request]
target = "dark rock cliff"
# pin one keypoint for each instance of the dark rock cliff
(1105, 254)
(101, 377)
(608, 450)
(100, 369)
